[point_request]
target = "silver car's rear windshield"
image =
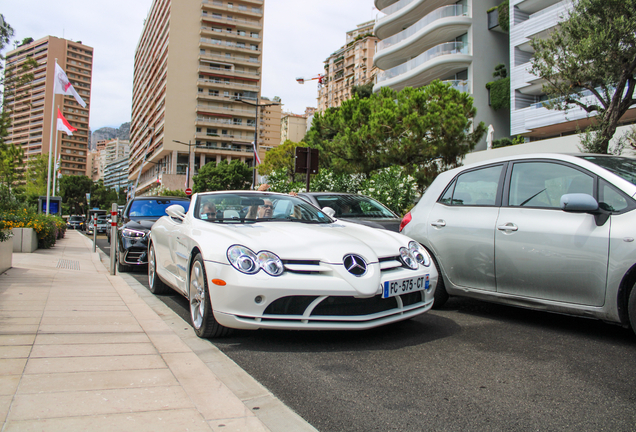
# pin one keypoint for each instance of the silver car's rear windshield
(621, 166)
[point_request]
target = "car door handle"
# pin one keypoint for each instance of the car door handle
(440, 223)
(508, 227)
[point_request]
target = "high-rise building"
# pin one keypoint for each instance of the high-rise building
(194, 64)
(293, 127)
(529, 116)
(449, 40)
(351, 65)
(116, 174)
(32, 109)
(111, 151)
(269, 126)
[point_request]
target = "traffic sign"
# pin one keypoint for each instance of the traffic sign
(188, 191)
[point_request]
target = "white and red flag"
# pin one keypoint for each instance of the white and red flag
(63, 125)
(64, 86)
(258, 159)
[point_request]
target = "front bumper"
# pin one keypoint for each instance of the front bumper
(324, 301)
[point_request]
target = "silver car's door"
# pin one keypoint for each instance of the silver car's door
(462, 227)
(543, 252)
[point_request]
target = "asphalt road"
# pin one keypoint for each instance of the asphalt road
(470, 366)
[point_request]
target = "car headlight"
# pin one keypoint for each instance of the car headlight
(420, 254)
(408, 259)
(270, 263)
(131, 233)
(246, 261)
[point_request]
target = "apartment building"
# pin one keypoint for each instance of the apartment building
(424, 40)
(116, 174)
(32, 110)
(530, 19)
(197, 77)
(111, 151)
(293, 127)
(269, 127)
(351, 65)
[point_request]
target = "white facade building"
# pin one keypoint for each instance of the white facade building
(424, 40)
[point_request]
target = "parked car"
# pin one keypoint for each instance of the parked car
(250, 260)
(355, 208)
(546, 231)
(76, 222)
(137, 218)
(100, 222)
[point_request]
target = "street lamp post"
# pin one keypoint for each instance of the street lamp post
(256, 106)
(189, 144)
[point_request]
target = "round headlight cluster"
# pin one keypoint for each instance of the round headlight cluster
(420, 254)
(246, 261)
(408, 258)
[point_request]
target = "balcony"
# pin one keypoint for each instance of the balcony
(227, 20)
(443, 60)
(223, 71)
(404, 14)
(460, 85)
(381, 4)
(441, 25)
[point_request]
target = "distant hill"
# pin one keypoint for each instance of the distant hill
(108, 133)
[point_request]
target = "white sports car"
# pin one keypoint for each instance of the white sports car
(251, 260)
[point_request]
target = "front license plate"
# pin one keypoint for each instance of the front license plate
(404, 286)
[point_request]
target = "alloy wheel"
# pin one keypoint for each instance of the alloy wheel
(197, 295)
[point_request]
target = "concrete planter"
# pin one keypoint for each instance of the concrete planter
(25, 240)
(6, 255)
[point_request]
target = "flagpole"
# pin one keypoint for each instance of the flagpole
(55, 158)
(48, 181)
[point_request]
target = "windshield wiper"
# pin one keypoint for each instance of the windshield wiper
(526, 201)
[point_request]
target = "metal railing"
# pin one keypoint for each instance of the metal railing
(394, 8)
(443, 12)
(447, 48)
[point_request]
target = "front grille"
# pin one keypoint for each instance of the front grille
(340, 305)
(292, 305)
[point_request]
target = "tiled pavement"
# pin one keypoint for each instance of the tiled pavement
(83, 350)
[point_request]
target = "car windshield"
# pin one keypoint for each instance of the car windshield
(251, 207)
(75, 219)
(102, 218)
(621, 166)
(354, 206)
(154, 208)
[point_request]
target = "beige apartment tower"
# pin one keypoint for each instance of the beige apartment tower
(197, 79)
(351, 65)
(31, 110)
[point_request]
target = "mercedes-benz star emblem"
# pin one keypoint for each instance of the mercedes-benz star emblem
(355, 264)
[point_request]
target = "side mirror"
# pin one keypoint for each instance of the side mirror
(176, 211)
(329, 211)
(584, 203)
(578, 203)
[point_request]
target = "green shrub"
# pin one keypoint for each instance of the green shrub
(47, 227)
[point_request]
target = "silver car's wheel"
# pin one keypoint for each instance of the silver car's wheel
(631, 308)
(200, 306)
(155, 284)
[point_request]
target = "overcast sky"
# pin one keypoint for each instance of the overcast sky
(299, 35)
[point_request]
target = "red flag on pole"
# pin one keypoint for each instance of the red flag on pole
(63, 125)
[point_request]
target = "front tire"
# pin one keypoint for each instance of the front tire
(203, 321)
(441, 295)
(631, 308)
(155, 284)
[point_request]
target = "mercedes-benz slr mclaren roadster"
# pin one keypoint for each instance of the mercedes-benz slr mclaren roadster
(250, 260)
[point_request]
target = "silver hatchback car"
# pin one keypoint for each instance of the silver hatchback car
(553, 232)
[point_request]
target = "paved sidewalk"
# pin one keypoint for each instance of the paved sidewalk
(83, 350)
